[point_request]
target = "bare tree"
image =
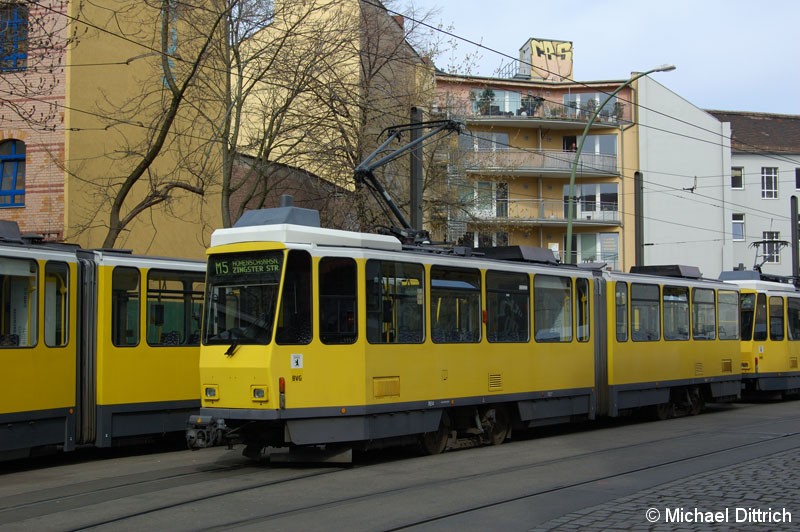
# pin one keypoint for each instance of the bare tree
(165, 145)
(276, 58)
(388, 77)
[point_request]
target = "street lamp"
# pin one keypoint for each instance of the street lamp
(571, 199)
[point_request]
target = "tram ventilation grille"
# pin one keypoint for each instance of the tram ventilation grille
(495, 382)
(793, 362)
(698, 369)
(727, 365)
(386, 386)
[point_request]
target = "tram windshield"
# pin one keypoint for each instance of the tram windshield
(241, 297)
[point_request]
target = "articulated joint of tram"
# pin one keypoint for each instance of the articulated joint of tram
(205, 431)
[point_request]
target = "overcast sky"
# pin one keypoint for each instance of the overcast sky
(731, 55)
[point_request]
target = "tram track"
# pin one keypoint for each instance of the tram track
(265, 519)
(574, 485)
(81, 495)
(293, 496)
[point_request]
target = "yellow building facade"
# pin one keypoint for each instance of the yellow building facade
(115, 75)
(508, 178)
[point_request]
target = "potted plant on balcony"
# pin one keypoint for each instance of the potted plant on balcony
(530, 104)
(619, 109)
(483, 100)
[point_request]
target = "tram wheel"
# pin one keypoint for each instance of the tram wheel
(663, 411)
(697, 404)
(501, 426)
(431, 443)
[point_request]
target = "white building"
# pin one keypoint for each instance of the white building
(764, 175)
(683, 206)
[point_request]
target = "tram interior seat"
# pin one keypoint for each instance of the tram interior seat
(171, 338)
(9, 339)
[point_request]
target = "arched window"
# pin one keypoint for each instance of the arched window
(13, 36)
(12, 163)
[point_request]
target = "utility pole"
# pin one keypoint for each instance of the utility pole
(416, 171)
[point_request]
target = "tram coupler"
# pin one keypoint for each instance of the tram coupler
(205, 431)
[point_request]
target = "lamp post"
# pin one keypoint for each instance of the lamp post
(571, 199)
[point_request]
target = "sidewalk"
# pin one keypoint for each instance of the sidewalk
(760, 494)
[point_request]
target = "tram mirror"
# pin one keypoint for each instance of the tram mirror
(158, 315)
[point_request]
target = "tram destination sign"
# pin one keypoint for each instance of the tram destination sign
(263, 265)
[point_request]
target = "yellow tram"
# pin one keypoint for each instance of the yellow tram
(317, 337)
(96, 346)
(770, 323)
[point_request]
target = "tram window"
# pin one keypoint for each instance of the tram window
(747, 305)
(455, 305)
(294, 316)
(675, 300)
(582, 308)
(760, 330)
(776, 318)
(622, 311)
(729, 315)
(704, 314)
(552, 308)
(507, 307)
(645, 313)
(174, 307)
(18, 282)
(242, 297)
(125, 306)
(793, 315)
(395, 302)
(56, 304)
(337, 301)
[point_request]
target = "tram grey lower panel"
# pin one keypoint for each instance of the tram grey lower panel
(726, 388)
(775, 384)
(40, 429)
(361, 428)
(128, 421)
(625, 399)
(556, 408)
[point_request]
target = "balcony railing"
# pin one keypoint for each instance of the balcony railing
(610, 258)
(536, 108)
(546, 211)
(521, 161)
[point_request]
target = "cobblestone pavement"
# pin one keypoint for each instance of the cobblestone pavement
(761, 494)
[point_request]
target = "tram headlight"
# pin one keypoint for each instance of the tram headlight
(211, 392)
(258, 393)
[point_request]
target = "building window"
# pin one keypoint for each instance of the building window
(12, 165)
(769, 183)
(487, 200)
(595, 247)
(13, 36)
(484, 196)
(737, 229)
(737, 177)
(495, 102)
(501, 200)
(797, 178)
(772, 248)
(483, 141)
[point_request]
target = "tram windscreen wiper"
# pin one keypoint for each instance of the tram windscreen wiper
(232, 349)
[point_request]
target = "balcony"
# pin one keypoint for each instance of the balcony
(531, 162)
(535, 113)
(610, 258)
(546, 212)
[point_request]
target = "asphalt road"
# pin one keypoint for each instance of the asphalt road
(600, 476)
